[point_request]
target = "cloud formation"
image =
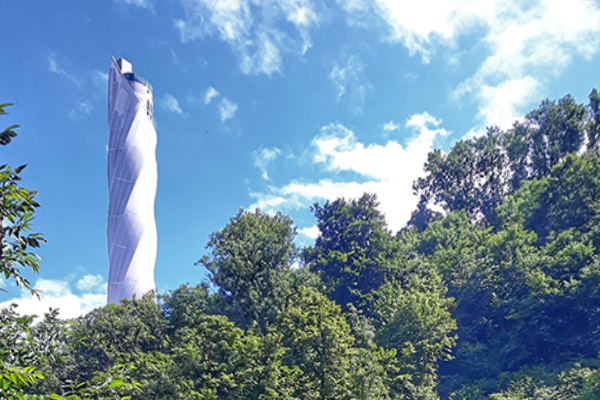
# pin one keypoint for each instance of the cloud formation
(90, 294)
(227, 109)
(348, 79)
(171, 103)
(210, 94)
(55, 68)
(81, 110)
(311, 232)
(264, 157)
(527, 42)
(256, 31)
(147, 4)
(390, 126)
(387, 170)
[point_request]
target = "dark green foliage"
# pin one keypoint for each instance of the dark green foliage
(352, 250)
(570, 200)
(186, 305)
(7, 135)
(593, 129)
(319, 345)
(477, 174)
(473, 177)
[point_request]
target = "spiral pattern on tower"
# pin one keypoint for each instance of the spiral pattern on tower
(132, 182)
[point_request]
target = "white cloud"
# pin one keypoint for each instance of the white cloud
(263, 157)
(501, 104)
(390, 126)
(227, 109)
(266, 57)
(81, 110)
(210, 94)
(58, 294)
(91, 282)
(387, 170)
(311, 232)
(171, 103)
(419, 26)
(54, 67)
(527, 48)
(348, 78)
(255, 30)
(147, 4)
(528, 42)
(341, 75)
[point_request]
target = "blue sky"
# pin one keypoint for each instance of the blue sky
(275, 104)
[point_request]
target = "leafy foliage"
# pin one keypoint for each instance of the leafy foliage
(17, 208)
(250, 262)
(477, 174)
(492, 296)
(416, 322)
(351, 252)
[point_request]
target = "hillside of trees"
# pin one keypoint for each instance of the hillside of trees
(492, 291)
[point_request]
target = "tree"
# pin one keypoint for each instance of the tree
(115, 334)
(416, 321)
(477, 174)
(26, 348)
(216, 360)
(472, 177)
(320, 345)
(249, 261)
(352, 250)
(568, 201)
(17, 210)
(593, 129)
(186, 305)
(557, 129)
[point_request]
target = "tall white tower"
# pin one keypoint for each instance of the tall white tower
(132, 180)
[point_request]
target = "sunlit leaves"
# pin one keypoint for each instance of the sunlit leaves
(17, 208)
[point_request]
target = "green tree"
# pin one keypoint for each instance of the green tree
(417, 322)
(557, 129)
(115, 334)
(17, 210)
(593, 129)
(353, 249)
(477, 174)
(249, 261)
(319, 344)
(26, 348)
(472, 177)
(573, 187)
(185, 306)
(216, 360)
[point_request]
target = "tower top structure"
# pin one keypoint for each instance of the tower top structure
(125, 66)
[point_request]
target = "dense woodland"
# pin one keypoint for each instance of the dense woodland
(492, 291)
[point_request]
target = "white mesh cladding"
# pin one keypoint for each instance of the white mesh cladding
(132, 180)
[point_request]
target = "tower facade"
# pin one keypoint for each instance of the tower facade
(132, 181)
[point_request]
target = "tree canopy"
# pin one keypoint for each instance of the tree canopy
(490, 292)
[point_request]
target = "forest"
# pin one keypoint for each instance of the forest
(491, 291)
